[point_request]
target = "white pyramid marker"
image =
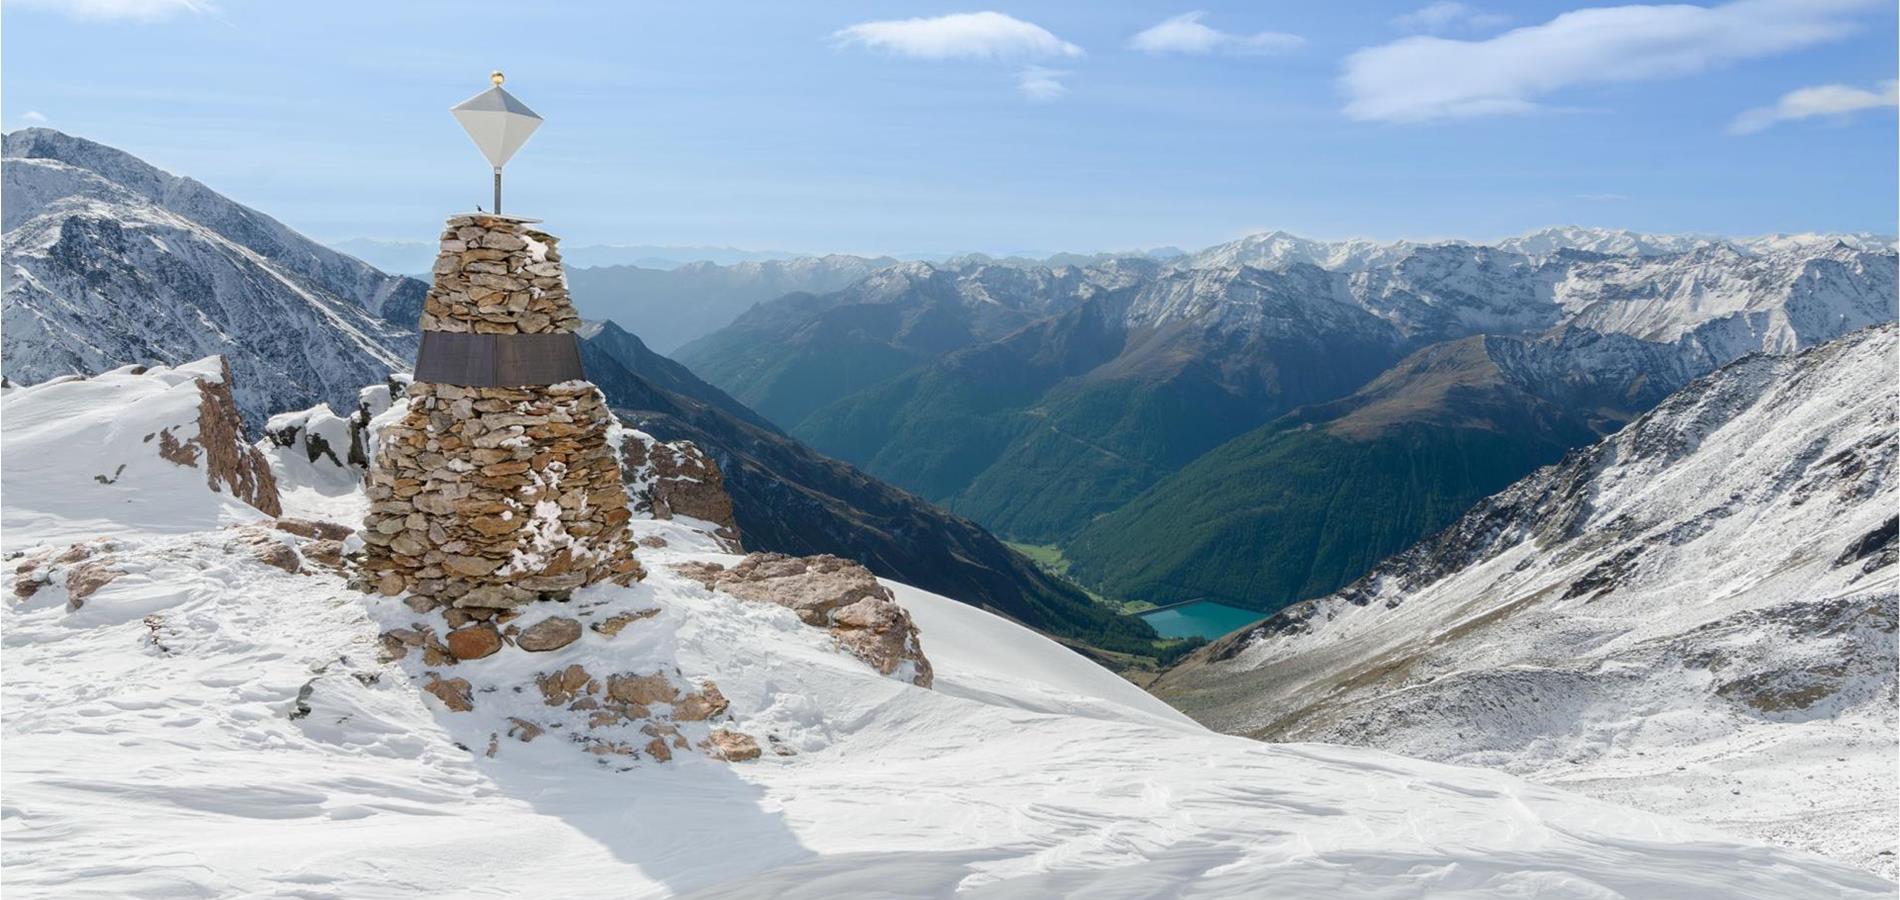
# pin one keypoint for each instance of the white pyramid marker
(498, 123)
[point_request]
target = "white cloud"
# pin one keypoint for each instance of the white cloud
(1042, 85)
(1604, 197)
(1446, 15)
(1422, 78)
(33, 115)
(1836, 100)
(1185, 34)
(120, 10)
(979, 35)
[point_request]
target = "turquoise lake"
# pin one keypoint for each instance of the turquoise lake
(1203, 618)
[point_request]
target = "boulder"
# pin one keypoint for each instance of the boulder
(613, 624)
(644, 690)
(701, 704)
(315, 529)
(86, 578)
(474, 641)
(455, 693)
(841, 596)
(732, 746)
(551, 633)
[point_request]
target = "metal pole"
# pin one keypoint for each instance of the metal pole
(498, 190)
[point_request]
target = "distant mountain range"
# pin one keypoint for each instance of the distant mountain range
(1261, 433)
(1276, 249)
(110, 262)
(678, 294)
(675, 305)
(1695, 615)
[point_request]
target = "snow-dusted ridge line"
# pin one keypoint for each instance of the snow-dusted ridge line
(110, 261)
(1275, 249)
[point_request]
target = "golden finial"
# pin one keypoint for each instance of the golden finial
(496, 78)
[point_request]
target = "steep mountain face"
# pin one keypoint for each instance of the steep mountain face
(110, 262)
(626, 351)
(1728, 302)
(1695, 615)
(791, 500)
(1309, 502)
(673, 306)
(1069, 418)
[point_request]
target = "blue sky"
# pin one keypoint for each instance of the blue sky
(1019, 127)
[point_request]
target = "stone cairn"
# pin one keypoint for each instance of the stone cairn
(490, 496)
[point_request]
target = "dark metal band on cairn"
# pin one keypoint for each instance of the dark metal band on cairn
(498, 360)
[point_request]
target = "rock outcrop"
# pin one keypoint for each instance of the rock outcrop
(669, 478)
(836, 594)
(497, 496)
(229, 462)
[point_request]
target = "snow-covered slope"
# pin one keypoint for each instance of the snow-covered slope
(109, 262)
(1695, 616)
(132, 447)
(215, 722)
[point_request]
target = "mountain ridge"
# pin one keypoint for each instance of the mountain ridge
(112, 261)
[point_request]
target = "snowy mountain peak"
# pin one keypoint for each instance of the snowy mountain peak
(110, 261)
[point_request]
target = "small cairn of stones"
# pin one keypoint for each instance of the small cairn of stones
(493, 497)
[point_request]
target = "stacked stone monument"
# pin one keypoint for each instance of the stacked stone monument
(498, 486)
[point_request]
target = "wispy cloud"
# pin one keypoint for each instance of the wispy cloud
(120, 10)
(1185, 34)
(33, 115)
(978, 35)
(1040, 84)
(1833, 100)
(1446, 15)
(981, 36)
(1422, 78)
(1604, 197)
